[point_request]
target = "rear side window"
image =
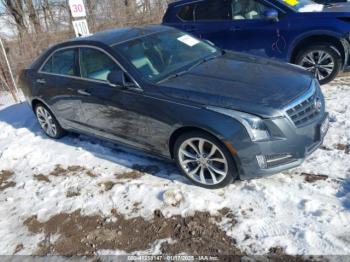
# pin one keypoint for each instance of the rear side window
(61, 63)
(247, 9)
(95, 64)
(186, 13)
(213, 10)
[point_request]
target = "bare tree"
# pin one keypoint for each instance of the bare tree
(33, 16)
(16, 10)
(91, 6)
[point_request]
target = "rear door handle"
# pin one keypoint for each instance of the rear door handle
(235, 28)
(41, 81)
(191, 29)
(84, 92)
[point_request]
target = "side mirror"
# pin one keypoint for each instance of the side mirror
(271, 14)
(116, 78)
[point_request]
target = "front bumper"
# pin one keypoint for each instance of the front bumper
(281, 154)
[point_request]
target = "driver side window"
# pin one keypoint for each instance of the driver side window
(247, 9)
(212, 10)
(95, 64)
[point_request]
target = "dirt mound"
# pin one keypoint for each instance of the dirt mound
(84, 235)
(5, 175)
(343, 147)
(310, 178)
(73, 192)
(42, 178)
(149, 169)
(278, 254)
(130, 175)
(107, 185)
(71, 170)
(18, 248)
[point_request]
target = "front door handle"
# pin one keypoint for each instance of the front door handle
(41, 81)
(235, 28)
(84, 92)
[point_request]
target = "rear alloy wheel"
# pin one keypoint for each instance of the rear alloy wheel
(48, 122)
(323, 61)
(204, 160)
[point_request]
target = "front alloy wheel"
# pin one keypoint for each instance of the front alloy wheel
(48, 122)
(323, 61)
(204, 160)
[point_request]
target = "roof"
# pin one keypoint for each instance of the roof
(114, 36)
(182, 2)
(108, 37)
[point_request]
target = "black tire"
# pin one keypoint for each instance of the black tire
(334, 57)
(59, 131)
(231, 174)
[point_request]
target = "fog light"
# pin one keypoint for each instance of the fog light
(261, 161)
(270, 161)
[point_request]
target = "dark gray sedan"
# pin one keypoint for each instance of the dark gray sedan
(220, 115)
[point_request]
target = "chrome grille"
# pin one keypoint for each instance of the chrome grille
(304, 112)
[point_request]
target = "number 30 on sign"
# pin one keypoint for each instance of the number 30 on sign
(77, 8)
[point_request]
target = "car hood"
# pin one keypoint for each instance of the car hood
(340, 8)
(337, 7)
(240, 82)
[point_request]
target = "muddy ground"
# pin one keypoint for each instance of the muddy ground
(5, 179)
(76, 234)
(85, 235)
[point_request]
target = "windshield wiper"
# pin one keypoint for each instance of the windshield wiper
(172, 76)
(202, 61)
(199, 62)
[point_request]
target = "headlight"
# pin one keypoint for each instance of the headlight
(254, 125)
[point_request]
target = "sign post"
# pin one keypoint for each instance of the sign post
(78, 10)
(10, 70)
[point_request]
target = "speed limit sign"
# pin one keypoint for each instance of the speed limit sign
(81, 27)
(77, 8)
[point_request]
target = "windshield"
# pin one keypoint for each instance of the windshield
(159, 55)
(303, 5)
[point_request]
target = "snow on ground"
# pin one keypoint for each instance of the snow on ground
(5, 98)
(290, 210)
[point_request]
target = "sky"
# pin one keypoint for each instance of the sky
(4, 29)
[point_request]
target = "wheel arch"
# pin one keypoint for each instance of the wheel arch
(313, 39)
(180, 131)
(35, 101)
(185, 129)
